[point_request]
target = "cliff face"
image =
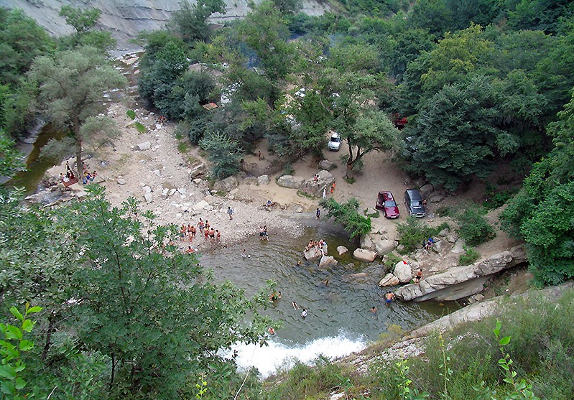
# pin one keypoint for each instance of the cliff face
(126, 18)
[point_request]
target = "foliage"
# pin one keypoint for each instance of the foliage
(224, 153)
(140, 127)
(131, 114)
(347, 215)
(81, 20)
(12, 346)
(11, 161)
(413, 234)
(474, 228)
(391, 259)
(541, 211)
(71, 88)
(190, 21)
(496, 198)
(470, 255)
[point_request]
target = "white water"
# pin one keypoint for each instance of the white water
(279, 356)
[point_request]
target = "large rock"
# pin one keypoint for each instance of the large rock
(326, 165)
(144, 146)
(458, 282)
(364, 255)
(312, 254)
(263, 180)
(426, 190)
(315, 187)
(377, 243)
(226, 185)
(290, 181)
(327, 261)
(342, 250)
(202, 205)
(403, 271)
(389, 280)
(148, 197)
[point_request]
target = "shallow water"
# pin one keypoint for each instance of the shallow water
(339, 318)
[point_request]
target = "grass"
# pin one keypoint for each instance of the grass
(470, 255)
(140, 127)
(183, 147)
(376, 214)
(349, 179)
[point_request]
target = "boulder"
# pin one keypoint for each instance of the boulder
(370, 212)
(327, 261)
(290, 181)
(312, 254)
(458, 282)
(378, 243)
(263, 180)
(436, 198)
(226, 185)
(426, 190)
(389, 280)
(202, 205)
(315, 187)
(403, 272)
(364, 255)
(342, 250)
(148, 197)
(144, 146)
(197, 171)
(458, 247)
(326, 165)
(121, 181)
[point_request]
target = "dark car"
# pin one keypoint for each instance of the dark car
(414, 203)
(386, 203)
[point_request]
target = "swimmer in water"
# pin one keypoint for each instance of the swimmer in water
(373, 309)
(294, 305)
(244, 254)
(389, 297)
(304, 313)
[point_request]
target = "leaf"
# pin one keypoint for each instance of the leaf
(16, 313)
(496, 330)
(19, 383)
(13, 332)
(504, 341)
(34, 309)
(7, 371)
(28, 325)
(26, 345)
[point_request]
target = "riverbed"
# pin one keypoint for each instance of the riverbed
(339, 320)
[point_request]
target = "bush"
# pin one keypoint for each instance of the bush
(347, 215)
(391, 259)
(131, 114)
(413, 234)
(223, 152)
(474, 228)
(470, 255)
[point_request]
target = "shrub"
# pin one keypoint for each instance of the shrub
(223, 152)
(347, 215)
(470, 255)
(131, 114)
(391, 259)
(474, 228)
(140, 127)
(182, 147)
(412, 234)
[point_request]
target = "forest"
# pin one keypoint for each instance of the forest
(96, 303)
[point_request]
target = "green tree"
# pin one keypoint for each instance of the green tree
(347, 215)
(71, 88)
(81, 20)
(11, 161)
(541, 212)
(224, 153)
(190, 21)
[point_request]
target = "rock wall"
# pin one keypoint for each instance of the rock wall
(126, 18)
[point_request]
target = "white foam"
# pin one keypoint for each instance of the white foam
(269, 359)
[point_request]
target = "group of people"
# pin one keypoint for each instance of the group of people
(189, 231)
(263, 234)
(321, 245)
(70, 177)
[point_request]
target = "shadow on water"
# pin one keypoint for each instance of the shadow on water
(36, 166)
(341, 309)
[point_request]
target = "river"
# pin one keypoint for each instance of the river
(339, 319)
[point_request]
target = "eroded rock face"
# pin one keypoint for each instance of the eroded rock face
(226, 185)
(126, 18)
(458, 282)
(389, 280)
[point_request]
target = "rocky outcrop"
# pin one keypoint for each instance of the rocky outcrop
(377, 242)
(315, 186)
(364, 255)
(226, 185)
(126, 18)
(326, 165)
(403, 272)
(458, 282)
(327, 261)
(290, 181)
(389, 280)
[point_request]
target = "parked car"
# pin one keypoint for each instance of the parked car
(334, 142)
(414, 203)
(386, 203)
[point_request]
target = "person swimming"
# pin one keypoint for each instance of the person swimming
(294, 305)
(389, 297)
(304, 313)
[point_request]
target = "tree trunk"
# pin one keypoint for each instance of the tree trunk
(113, 371)
(79, 163)
(47, 343)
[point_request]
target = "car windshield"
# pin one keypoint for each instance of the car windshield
(416, 204)
(390, 203)
(334, 139)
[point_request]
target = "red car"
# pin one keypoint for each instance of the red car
(386, 203)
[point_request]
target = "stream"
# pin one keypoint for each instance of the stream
(339, 319)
